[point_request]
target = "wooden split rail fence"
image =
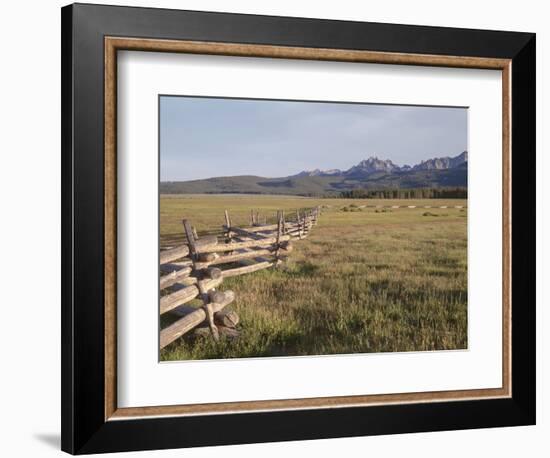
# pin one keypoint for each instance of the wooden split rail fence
(196, 269)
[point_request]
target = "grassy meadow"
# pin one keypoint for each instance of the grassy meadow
(365, 280)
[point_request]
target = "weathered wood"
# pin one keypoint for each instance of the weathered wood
(182, 310)
(263, 228)
(247, 269)
(255, 259)
(256, 254)
(227, 224)
(186, 294)
(212, 272)
(245, 238)
(210, 320)
(228, 318)
(300, 226)
(179, 297)
(233, 246)
(239, 257)
(206, 240)
(255, 250)
(171, 266)
(173, 254)
(184, 282)
(224, 317)
(250, 234)
(173, 277)
(292, 225)
(207, 257)
(244, 232)
(189, 321)
(260, 243)
(279, 233)
(216, 295)
(183, 250)
(294, 232)
(227, 219)
(202, 291)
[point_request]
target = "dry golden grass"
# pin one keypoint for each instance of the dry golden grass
(365, 280)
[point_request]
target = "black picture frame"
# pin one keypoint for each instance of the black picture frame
(84, 427)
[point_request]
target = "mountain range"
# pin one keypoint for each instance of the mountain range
(371, 173)
(373, 165)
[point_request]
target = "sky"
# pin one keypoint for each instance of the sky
(211, 137)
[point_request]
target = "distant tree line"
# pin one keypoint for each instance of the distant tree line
(413, 193)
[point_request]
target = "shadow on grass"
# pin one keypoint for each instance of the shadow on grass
(397, 293)
(302, 269)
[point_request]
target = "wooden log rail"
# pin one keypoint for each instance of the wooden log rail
(173, 277)
(189, 271)
(186, 294)
(192, 319)
(233, 246)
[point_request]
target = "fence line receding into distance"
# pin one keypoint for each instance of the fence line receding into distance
(196, 269)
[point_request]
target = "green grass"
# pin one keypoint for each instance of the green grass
(363, 281)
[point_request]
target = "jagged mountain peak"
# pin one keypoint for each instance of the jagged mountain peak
(371, 165)
(319, 173)
(374, 164)
(442, 163)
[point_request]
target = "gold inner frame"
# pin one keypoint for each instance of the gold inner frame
(114, 44)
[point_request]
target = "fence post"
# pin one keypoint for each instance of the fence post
(198, 278)
(204, 294)
(279, 227)
(228, 225)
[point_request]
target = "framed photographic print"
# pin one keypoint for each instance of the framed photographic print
(282, 228)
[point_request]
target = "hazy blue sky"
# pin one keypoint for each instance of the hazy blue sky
(206, 137)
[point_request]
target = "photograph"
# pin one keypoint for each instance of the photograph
(307, 228)
(283, 226)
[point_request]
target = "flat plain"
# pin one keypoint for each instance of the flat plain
(365, 280)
